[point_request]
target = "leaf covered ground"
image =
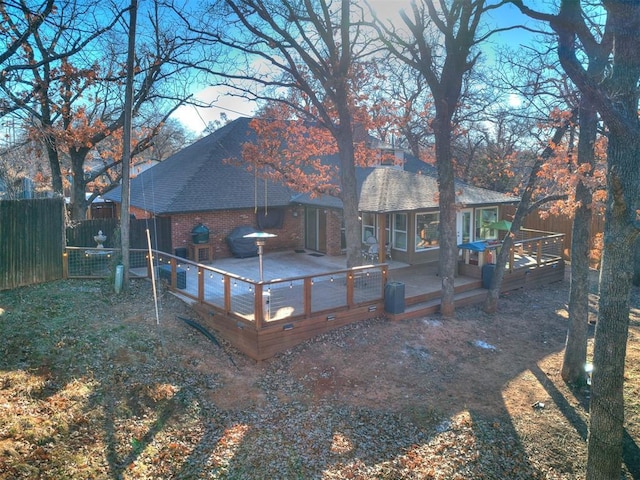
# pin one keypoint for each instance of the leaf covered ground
(92, 387)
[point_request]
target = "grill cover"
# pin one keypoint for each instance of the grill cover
(242, 247)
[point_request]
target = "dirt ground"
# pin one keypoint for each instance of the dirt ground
(92, 387)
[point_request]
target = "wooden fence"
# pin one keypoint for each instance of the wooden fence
(31, 241)
(81, 234)
(33, 237)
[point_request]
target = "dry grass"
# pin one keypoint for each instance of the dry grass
(91, 387)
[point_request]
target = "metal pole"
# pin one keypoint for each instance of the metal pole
(260, 244)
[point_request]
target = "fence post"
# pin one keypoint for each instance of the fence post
(65, 264)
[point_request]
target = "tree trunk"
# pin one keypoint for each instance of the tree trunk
(636, 263)
(78, 189)
(620, 235)
(447, 200)
(575, 354)
(126, 147)
(54, 165)
(349, 194)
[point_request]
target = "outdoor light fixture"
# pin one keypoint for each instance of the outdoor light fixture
(261, 240)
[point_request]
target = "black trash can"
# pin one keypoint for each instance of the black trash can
(181, 252)
(394, 297)
(487, 274)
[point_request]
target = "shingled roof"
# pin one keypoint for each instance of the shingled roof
(199, 178)
(391, 189)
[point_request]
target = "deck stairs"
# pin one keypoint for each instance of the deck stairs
(429, 303)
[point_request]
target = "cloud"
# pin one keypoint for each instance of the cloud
(219, 101)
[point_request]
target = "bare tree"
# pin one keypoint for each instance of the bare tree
(19, 20)
(616, 99)
(72, 100)
(535, 72)
(440, 46)
(307, 54)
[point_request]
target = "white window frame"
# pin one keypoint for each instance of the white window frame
(398, 234)
(369, 229)
(489, 233)
(417, 225)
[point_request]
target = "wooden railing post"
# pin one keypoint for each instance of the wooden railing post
(258, 306)
(174, 274)
(539, 253)
(384, 281)
(227, 293)
(350, 283)
(200, 284)
(307, 296)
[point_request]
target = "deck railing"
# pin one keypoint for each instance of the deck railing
(262, 318)
(253, 303)
(542, 247)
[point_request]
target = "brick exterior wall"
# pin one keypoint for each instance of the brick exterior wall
(221, 223)
(334, 226)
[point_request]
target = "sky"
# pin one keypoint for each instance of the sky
(196, 119)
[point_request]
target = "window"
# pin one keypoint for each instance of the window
(369, 226)
(400, 231)
(485, 217)
(427, 230)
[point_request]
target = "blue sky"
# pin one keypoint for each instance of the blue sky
(234, 107)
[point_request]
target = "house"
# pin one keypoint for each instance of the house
(199, 186)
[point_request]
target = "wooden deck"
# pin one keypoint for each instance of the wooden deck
(296, 309)
(306, 294)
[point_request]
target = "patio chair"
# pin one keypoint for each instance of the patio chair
(370, 251)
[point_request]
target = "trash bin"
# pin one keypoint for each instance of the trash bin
(487, 274)
(181, 252)
(394, 297)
